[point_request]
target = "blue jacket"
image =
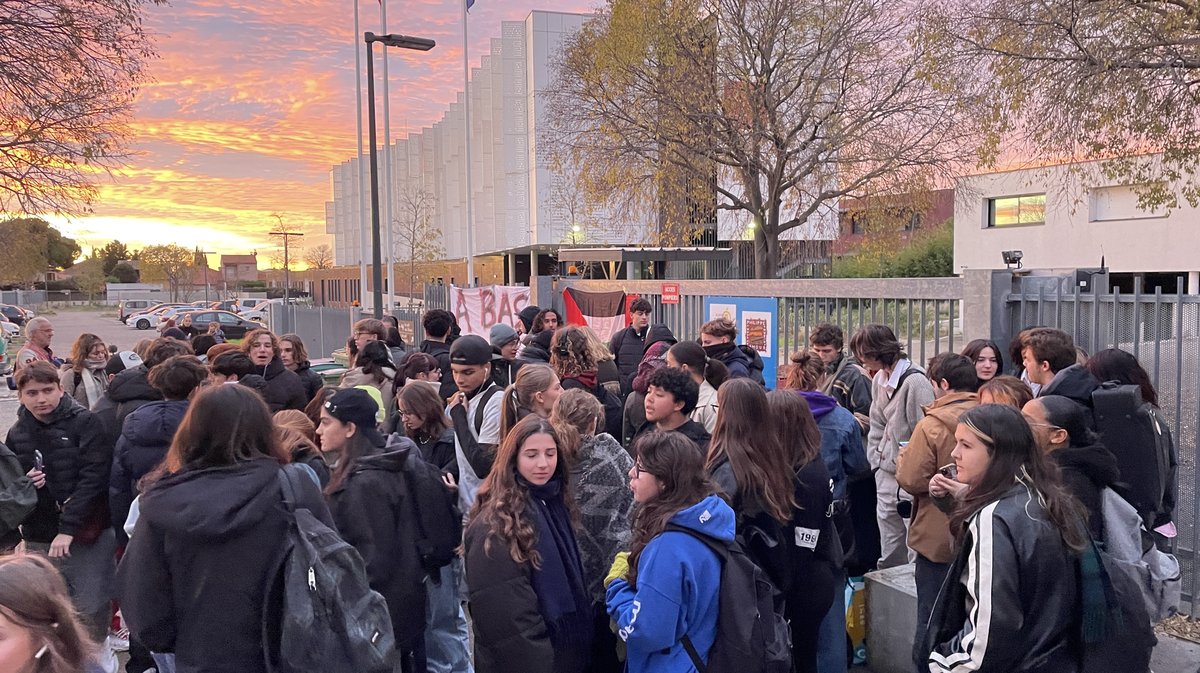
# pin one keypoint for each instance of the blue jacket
(678, 584)
(841, 440)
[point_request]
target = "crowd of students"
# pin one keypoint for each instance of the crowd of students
(604, 491)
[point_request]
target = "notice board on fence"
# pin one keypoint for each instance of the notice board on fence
(757, 320)
(478, 308)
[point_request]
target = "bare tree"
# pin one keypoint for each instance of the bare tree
(778, 107)
(280, 257)
(415, 235)
(170, 263)
(319, 257)
(68, 79)
(1074, 80)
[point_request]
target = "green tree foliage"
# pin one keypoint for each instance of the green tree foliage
(1069, 80)
(92, 280)
(71, 71)
(29, 246)
(112, 254)
(930, 256)
(169, 263)
(124, 273)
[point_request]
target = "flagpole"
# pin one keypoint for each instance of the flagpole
(467, 140)
(362, 208)
(387, 164)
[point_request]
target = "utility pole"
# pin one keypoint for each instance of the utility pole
(206, 253)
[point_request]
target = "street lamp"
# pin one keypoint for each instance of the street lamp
(403, 42)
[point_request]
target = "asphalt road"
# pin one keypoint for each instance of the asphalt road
(67, 326)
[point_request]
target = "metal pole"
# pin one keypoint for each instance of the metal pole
(467, 139)
(376, 248)
(387, 164)
(362, 220)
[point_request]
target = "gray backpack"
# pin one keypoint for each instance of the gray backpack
(1133, 553)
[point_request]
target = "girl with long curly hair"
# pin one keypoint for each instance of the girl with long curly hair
(1011, 601)
(672, 577)
(529, 602)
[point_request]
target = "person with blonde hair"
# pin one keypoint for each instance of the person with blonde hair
(598, 466)
(1007, 390)
(39, 629)
(534, 392)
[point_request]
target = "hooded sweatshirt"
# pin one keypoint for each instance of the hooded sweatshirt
(678, 586)
(194, 577)
(841, 440)
(284, 388)
(1086, 471)
(1075, 383)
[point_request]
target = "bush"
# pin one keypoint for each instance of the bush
(931, 256)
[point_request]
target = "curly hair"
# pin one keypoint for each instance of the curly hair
(82, 348)
(683, 482)
(502, 503)
(570, 353)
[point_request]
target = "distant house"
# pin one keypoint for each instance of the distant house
(239, 268)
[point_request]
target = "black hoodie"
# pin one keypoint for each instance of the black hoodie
(375, 513)
(441, 352)
(1086, 471)
(131, 389)
(194, 577)
(284, 388)
(1075, 383)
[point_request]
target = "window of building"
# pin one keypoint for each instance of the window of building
(1009, 211)
(1121, 202)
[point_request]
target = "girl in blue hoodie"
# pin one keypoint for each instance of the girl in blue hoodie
(670, 587)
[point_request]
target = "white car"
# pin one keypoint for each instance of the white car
(10, 329)
(261, 312)
(145, 320)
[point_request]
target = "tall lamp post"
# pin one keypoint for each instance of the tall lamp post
(403, 42)
(206, 253)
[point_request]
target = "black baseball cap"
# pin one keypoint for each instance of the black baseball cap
(470, 350)
(351, 405)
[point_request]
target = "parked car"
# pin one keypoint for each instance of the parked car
(8, 328)
(15, 313)
(174, 313)
(131, 306)
(233, 325)
(230, 305)
(146, 320)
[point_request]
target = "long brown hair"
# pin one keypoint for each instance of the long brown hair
(224, 425)
(577, 414)
(83, 345)
(745, 436)
(424, 401)
(33, 596)
(357, 446)
(795, 427)
(570, 354)
(502, 500)
(679, 468)
(294, 430)
(1008, 390)
(517, 402)
(806, 371)
(1016, 458)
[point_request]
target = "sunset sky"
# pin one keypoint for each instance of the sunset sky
(253, 101)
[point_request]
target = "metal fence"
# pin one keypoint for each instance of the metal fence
(1163, 332)
(925, 313)
(325, 330)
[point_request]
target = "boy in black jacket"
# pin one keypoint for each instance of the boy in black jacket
(66, 453)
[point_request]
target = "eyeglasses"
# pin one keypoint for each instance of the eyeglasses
(638, 470)
(404, 413)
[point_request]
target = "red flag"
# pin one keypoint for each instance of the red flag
(604, 312)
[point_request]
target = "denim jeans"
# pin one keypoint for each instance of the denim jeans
(447, 641)
(831, 639)
(929, 577)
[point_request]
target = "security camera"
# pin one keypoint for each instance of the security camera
(1012, 257)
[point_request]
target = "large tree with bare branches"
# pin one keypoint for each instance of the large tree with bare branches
(68, 77)
(415, 236)
(1069, 80)
(780, 107)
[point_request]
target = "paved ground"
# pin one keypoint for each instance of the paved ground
(67, 326)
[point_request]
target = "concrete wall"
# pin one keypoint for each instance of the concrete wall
(1087, 216)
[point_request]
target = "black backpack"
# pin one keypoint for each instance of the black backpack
(756, 365)
(439, 523)
(332, 621)
(1137, 434)
(752, 636)
(1119, 635)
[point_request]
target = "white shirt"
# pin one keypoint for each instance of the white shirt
(489, 433)
(892, 382)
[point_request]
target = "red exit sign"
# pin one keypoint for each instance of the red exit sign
(670, 293)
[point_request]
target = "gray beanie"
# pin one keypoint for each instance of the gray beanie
(501, 334)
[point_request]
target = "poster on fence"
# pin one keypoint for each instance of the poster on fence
(756, 319)
(478, 308)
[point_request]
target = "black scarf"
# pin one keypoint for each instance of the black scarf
(719, 351)
(562, 596)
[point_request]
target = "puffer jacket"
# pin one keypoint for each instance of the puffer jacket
(1011, 599)
(77, 456)
(312, 381)
(284, 388)
(143, 444)
(930, 447)
(375, 512)
(736, 361)
(627, 347)
(131, 389)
